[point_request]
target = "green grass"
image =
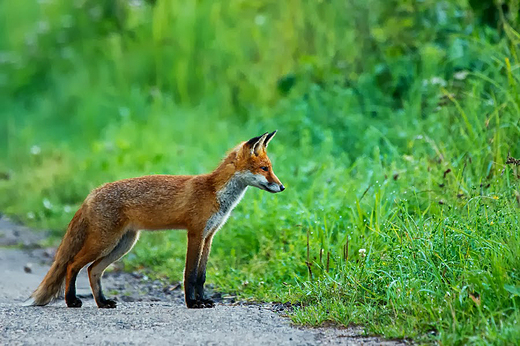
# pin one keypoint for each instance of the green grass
(395, 120)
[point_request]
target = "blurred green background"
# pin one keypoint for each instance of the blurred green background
(395, 120)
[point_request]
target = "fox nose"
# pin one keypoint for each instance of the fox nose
(282, 187)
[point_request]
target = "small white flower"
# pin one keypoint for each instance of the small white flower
(362, 252)
(35, 150)
(461, 75)
(47, 204)
(438, 81)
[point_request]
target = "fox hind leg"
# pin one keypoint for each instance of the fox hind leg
(88, 253)
(96, 269)
(70, 290)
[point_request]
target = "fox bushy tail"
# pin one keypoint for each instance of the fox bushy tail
(52, 285)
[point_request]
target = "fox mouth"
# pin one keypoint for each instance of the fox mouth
(267, 188)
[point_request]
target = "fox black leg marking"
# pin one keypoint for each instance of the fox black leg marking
(70, 296)
(192, 287)
(103, 302)
(201, 275)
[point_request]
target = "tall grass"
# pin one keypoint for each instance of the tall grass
(395, 120)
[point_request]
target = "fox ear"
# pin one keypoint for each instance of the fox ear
(269, 137)
(255, 144)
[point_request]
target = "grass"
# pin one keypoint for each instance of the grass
(395, 122)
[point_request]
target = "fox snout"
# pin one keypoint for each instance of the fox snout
(273, 184)
(274, 187)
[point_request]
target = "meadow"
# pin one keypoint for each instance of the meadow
(395, 118)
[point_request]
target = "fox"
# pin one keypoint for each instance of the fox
(108, 223)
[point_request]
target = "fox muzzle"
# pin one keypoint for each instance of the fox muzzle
(274, 187)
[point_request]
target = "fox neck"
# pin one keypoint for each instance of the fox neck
(231, 193)
(228, 197)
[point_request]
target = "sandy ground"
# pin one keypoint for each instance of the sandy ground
(148, 312)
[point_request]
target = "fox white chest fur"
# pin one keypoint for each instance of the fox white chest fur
(228, 198)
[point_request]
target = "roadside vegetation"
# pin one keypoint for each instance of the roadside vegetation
(395, 119)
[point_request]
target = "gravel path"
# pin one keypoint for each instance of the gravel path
(148, 312)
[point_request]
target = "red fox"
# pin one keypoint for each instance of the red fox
(107, 224)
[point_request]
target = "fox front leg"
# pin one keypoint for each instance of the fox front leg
(193, 256)
(201, 274)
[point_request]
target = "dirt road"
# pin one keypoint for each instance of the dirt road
(147, 312)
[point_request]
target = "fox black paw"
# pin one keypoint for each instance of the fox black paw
(107, 304)
(74, 303)
(200, 303)
(208, 303)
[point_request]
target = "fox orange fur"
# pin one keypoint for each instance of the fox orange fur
(107, 224)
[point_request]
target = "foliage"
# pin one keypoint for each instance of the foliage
(395, 119)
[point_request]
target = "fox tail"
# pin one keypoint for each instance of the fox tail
(52, 285)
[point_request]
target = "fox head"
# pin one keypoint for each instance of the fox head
(255, 167)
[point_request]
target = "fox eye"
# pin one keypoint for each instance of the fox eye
(264, 168)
